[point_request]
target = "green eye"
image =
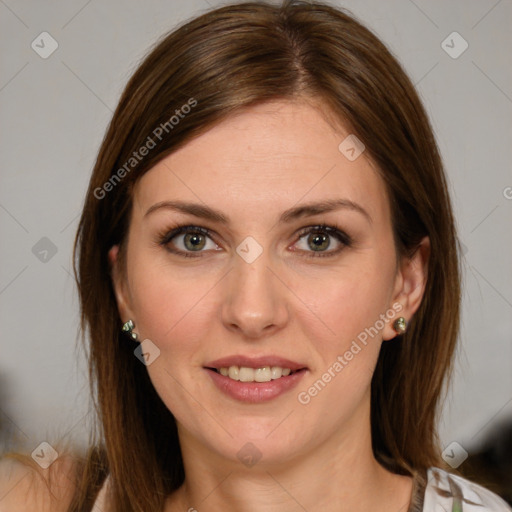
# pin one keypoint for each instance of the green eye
(319, 240)
(187, 240)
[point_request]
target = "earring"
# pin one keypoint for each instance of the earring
(128, 328)
(400, 325)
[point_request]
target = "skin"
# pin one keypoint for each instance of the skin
(309, 309)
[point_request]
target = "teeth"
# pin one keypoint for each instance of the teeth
(245, 374)
(234, 373)
(263, 374)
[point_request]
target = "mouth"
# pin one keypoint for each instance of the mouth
(255, 380)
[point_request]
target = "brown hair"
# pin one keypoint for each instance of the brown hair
(225, 60)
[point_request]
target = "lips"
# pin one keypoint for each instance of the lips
(247, 379)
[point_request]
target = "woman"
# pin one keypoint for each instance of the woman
(268, 271)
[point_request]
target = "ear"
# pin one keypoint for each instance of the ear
(410, 283)
(119, 285)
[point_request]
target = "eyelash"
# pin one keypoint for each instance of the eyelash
(164, 237)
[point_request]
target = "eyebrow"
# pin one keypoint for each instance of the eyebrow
(304, 210)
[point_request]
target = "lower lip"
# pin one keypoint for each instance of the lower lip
(255, 392)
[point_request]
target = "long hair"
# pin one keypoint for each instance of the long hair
(230, 58)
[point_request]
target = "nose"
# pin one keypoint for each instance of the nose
(255, 303)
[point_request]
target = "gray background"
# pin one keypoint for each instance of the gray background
(54, 112)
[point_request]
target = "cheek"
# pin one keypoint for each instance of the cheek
(174, 311)
(346, 331)
(346, 303)
(169, 304)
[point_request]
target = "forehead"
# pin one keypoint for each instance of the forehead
(263, 160)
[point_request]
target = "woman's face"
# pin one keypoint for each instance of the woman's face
(265, 289)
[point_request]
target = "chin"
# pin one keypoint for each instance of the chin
(261, 446)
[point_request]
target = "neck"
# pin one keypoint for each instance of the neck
(340, 474)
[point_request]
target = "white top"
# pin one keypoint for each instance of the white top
(453, 493)
(443, 492)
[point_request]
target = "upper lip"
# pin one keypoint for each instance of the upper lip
(255, 362)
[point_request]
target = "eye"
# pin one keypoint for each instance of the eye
(319, 238)
(186, 240)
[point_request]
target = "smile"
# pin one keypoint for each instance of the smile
(254, 380)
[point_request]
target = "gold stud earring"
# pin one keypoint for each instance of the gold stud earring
(128, 328)
(400, 325)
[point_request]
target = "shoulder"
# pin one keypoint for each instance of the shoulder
(453, 492)
(24, 485)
